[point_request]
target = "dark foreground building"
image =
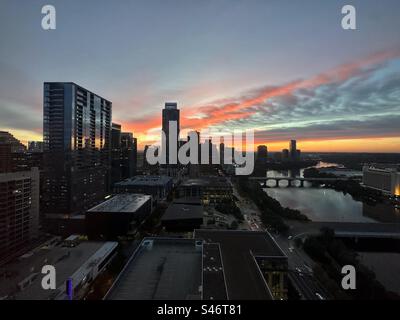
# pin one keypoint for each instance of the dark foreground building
(182, 217)
(161, 269)
(117, 216)
(19, 212)
(210, 189)
(158, 187)
(216, 265)
(254, 266)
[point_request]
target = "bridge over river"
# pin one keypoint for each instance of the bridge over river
(290, 180)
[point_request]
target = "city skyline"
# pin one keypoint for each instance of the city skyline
(332, 90)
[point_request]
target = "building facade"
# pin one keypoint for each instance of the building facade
(77, 148)
(117, 217)
(128, 155)
(210, 190)
(19, 211)
(262, 154)
(159, 187)
(170, 113)
(383, 178)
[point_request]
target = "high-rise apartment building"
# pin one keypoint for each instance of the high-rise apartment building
(19, 211)
(292, 149)
(77, 148)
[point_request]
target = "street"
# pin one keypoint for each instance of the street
(299, 263)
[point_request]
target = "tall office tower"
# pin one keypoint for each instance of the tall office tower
(195, 133)
(285, 154)
(262, 154)
(193, 167)
(170, 113)
(145, 163)
(128, 155)
(77, 148)
(207, 151)
(115, 136)
(115, 153)
(293, 150)
(222, 153)
(19, 218)
(135, 156)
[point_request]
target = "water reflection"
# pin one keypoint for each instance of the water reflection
(321, 204)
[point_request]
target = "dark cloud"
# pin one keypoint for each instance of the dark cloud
(364, 105)
(373, 126)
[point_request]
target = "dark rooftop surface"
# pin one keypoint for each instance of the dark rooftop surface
(207, 182)
(183, 211)
(129, 202)
(213, 273)
(145, 181)
(238, 249)
(65, 260)
(169, 269)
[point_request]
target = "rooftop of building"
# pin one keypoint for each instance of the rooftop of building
(177, 211)
(171, 105)
(145, 181)
(125, 202)
(214, 286)
(389, 167)
(78, 86)
(238, 250)
(161, 269)
(69, 262)
(20, 175)
(211, 181)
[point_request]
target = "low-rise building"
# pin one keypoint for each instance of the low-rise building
(253, 264)
(215, 265)
(182, 217)
(158, 187)
(118, 216)
(81, 263)
(210, 190)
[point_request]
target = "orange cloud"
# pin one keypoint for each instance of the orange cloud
(203, 116)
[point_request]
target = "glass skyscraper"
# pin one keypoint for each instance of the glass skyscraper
(77, 148)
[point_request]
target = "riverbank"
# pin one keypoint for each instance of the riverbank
(331, 254)
(272, 212)
(350, 186)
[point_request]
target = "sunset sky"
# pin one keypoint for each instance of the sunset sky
(283, 68)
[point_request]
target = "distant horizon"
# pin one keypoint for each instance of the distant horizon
(274, 150)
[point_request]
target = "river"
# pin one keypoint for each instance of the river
(327, 205)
